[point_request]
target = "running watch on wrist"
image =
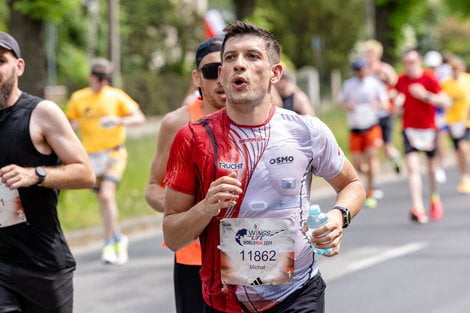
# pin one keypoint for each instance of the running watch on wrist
(346, 215)
(41, 174)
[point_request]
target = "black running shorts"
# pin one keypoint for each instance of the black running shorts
(308, 299)
(29, 291)
(188, 288)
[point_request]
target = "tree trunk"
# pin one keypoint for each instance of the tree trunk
(31, 37)
(244, 8)
(383, 29)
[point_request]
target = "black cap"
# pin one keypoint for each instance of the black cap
(9, 43)
(208, 46)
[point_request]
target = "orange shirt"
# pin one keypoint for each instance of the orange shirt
(191, 254)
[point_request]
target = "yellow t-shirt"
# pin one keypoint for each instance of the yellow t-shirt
(456, 90)
(465, 77)
(88, 107)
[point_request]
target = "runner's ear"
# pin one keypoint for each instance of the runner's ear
(196, 76)
(276, 73)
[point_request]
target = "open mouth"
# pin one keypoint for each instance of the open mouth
(239, 82)
(221, 94)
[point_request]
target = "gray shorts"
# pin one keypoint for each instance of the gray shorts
(30, 291)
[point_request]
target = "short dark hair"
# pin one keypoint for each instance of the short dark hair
(239, 28)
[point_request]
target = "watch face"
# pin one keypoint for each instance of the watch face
(40, 171)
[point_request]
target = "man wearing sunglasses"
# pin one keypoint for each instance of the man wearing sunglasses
(187, 283)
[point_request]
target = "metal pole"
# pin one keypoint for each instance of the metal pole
(370, 18)
(114, 49)
(93, 7)
(51, 46)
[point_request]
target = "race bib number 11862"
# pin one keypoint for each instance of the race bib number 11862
(257, 251)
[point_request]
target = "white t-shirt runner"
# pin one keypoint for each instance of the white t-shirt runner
(255, 253)
(363, 94)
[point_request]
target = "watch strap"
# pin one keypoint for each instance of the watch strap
(346, 215)
(41, 174)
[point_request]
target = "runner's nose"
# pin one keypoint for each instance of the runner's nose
(239, 64)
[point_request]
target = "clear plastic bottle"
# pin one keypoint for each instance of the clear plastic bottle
(316, 218)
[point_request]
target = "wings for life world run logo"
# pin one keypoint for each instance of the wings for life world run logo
(254, 237)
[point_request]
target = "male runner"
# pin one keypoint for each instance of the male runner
(434, 63)
(39, 154)
(101, 113)
(293, 98)
(187, 283)
(363, 96)
(422, 95)
(239, 179)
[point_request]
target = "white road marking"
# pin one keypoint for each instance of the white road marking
(359, 259)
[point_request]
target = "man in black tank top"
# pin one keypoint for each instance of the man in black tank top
(40, 154)
(293, 98)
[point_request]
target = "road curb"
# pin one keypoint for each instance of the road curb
(93, 235)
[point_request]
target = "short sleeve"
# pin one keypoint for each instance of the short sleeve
(433, 85)
(126, 104)
(399, 84)
(382, 92)
(71, 109)
(328, 158)
(180, 174)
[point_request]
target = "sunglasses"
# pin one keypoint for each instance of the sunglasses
(210, 70)
(100, 75)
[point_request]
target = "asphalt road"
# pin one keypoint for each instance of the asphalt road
(387, 263)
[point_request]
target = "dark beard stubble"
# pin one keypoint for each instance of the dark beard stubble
(6, 89)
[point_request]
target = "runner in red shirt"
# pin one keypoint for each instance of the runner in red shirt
(187, 283)
(422, 95)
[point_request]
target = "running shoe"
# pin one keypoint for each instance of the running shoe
(108, 255)
(440, 176)
(378, 193)
(371, 202)
(396, 163)
(464, 186)
(436, 211)
(120, 248)
(418, 216)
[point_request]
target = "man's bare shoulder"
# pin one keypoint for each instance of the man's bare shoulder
(47, 108)
(174, 120)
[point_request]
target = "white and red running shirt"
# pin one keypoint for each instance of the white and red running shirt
(275, 162)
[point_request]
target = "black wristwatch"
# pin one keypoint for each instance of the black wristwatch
(41, 174)
(346, 215)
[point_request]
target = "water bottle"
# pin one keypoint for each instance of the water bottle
(316, 218)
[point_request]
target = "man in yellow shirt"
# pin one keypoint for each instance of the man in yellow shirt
(456, 116)
(101, 113)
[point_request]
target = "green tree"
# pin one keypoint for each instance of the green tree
(159, 38)
(301, 26)
(458, 7)
(392, 16)
(244, 8)
(27, 20)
